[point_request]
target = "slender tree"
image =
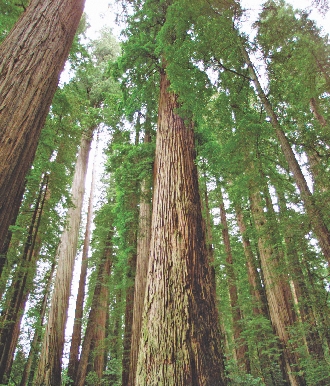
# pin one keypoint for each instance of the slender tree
(49, 370)
(77, 326)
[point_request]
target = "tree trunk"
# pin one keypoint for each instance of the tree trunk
(49, 370)
(318, 225)
(76, 334)
(143, 245)
(278, 291)
(28, 373)
(180, 340)
(241, 349)
(19, 290)
(257, 290)
(95, 330)
(32, 58)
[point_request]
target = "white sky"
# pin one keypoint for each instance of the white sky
(102, 12)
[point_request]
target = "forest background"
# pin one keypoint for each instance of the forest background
(266, 222)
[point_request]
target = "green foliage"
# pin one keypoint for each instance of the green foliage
(10, 11)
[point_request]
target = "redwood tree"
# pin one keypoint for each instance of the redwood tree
(32, 58)
(180, 338)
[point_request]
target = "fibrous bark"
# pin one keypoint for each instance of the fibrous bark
(180, 339)
(32, 58)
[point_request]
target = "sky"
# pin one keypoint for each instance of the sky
(102, 12)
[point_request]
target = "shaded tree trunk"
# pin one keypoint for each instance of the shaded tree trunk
(19, 290)
(180, 340)
(241, 349)
(318, 225)
(28, 373)
(32, 58)
(49, 370)
(278, 292)
(143, 245)
(96, 325)
(257, 291)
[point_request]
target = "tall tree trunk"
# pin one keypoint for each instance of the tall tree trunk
(32, 58)
(49, 370)
(131, 271)
(180, 340)
(257, 290)
(96, 325)
(241, 349)
(278, 292)
(318, 225)
(303, 300)
(77, 326)
(143, 245)
(19, 290)
(28, 372)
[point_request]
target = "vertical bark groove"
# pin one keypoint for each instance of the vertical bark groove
(180, 339)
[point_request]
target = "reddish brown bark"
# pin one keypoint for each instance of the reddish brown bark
(32, 57)
(180, 340)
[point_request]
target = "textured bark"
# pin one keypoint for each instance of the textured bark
(28, 373)
(241, 349)
(180, 339)
(143, 245)
(278, 292)
(77, 326)
(19, 290)
(314, 213)
(32, 58)
(96, 326)
(49, 370)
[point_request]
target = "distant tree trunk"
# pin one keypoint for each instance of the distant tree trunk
(76, 334)
(318, 225)
(127, 341)
(49, 370)
(304, 303)
(257, 291)
(32, 58)
(241, 349)
(180, 339)
(131, 241)
(278, 292)
(19, 290)
(142, 260)
(28, 373)
(96, 325)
